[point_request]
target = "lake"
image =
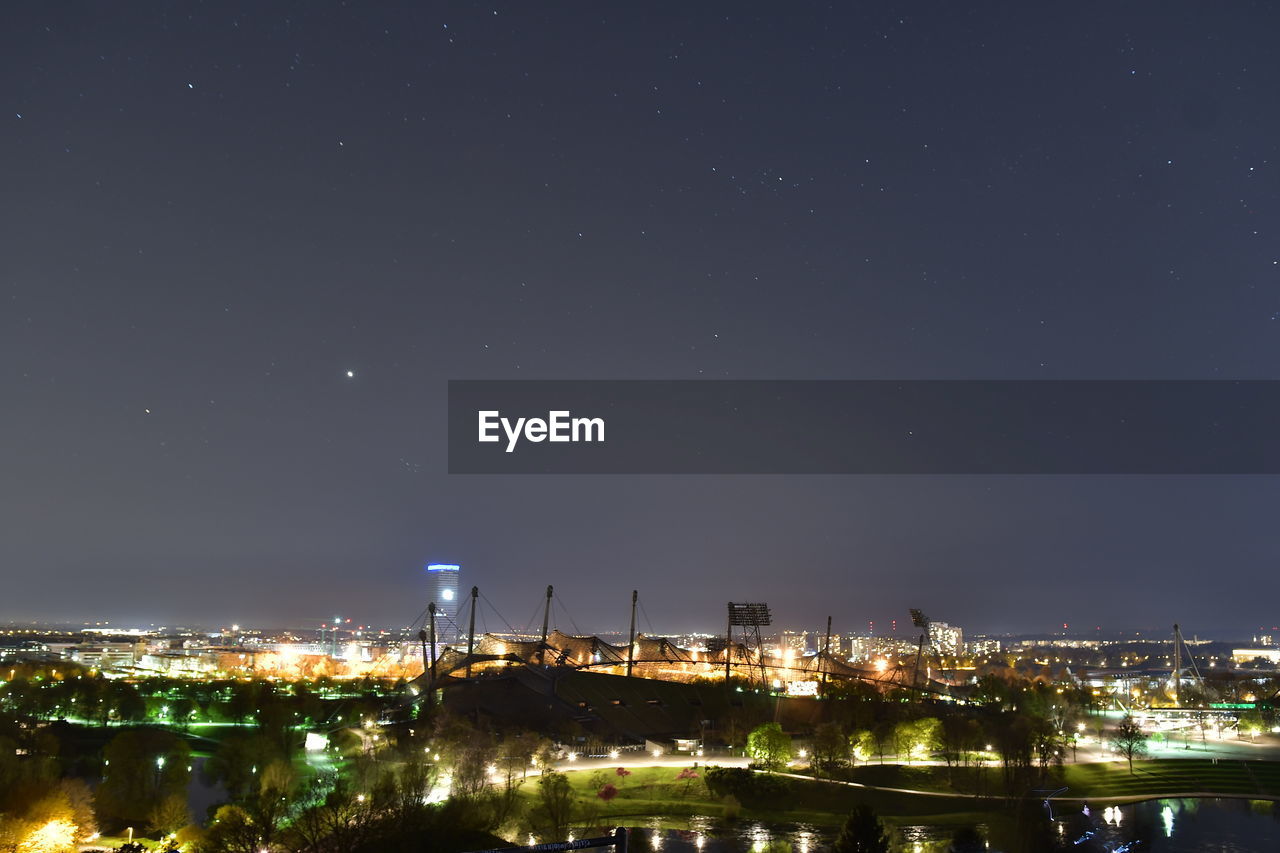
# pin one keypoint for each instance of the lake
(1155, 826)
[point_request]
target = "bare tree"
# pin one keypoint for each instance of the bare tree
(1129, 740)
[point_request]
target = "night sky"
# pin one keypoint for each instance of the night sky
(246, 245)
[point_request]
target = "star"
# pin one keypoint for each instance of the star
(351, 374)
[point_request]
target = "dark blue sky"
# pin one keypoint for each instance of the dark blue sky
(213, 211)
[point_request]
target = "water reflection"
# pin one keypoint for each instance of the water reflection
(1157, 826)
(1176, 826)
(711, 835)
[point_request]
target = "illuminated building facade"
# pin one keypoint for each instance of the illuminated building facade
(947, 639)
(442, 588)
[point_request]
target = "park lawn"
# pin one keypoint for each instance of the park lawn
(1160, 777)
(1102, 780)
(984, 781)
(655, 791)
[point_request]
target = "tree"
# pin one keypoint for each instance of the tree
(515, 754)
(864, 745)
(862, 833)
(140, 768)
(169, 815)
(239, 759)
(232, 830)
(1129, 740)
(1251, 723)
(129, 704)
(830, 747)
(243, 700)
(687, 775)
(917, 738)
(182, 710)
(79, 798)
(1014, 736)
(770, 746)
(471, 768)
(554, 807)
(991, 689)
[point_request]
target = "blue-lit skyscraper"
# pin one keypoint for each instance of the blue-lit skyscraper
(442, 588)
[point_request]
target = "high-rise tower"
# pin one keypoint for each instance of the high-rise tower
(442, 588)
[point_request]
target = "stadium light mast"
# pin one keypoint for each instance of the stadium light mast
(751, 617)
(728, 645)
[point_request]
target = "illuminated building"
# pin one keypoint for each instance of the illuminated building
(1244, 656)
(947, 639)
(983, 646)
(796, 641)
(442, 588)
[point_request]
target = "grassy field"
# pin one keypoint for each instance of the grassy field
(1150, 778)
(656, 792)
(1158, 777)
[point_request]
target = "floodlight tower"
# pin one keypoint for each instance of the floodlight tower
(751, 617)
(922, 622)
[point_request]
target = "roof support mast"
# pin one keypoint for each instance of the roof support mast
(631, 637)
(471, 629)
(546, 616)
